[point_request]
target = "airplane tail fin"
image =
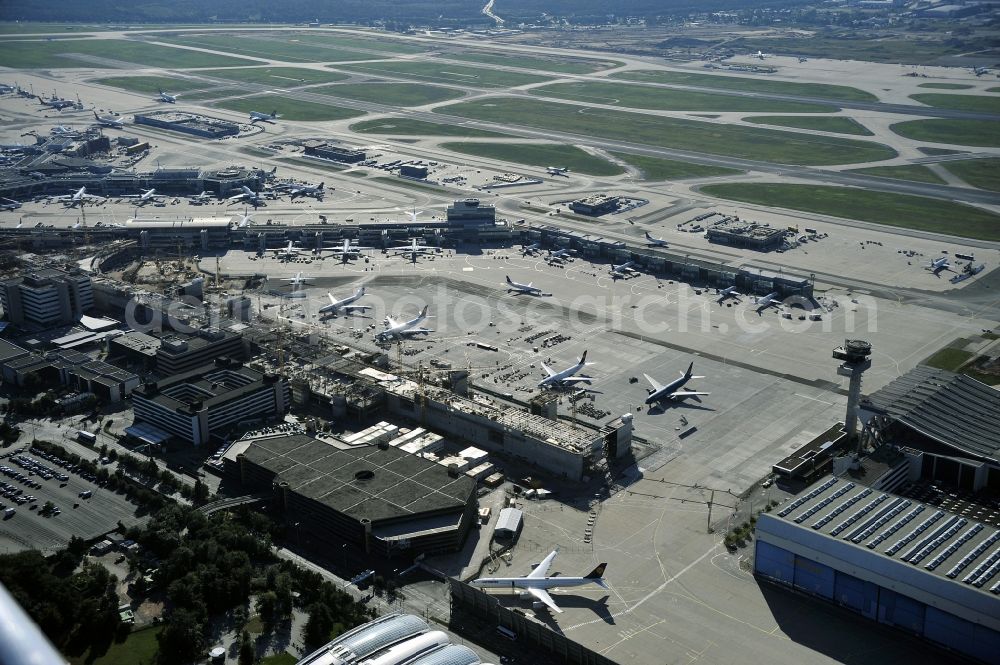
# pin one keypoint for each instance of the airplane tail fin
(360, 292)
(690, 370)
(423, 312)
(508, 279)
(596, 574)
(583, 358)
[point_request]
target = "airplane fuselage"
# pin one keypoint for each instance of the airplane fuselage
(532, 582)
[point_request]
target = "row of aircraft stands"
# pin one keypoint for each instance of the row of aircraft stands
(395, 639)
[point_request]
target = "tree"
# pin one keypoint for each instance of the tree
(247, 652)
(267, 607)
(200, 492)
(181, 640)
(318, 626)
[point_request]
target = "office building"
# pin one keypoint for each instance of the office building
(46, 297)
(210, 400)
(471, 212)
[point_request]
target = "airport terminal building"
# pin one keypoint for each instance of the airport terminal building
(916, 567)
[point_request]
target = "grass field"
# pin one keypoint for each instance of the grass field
(410, 184)
(976, 103)
(900, 210)
(152, 84)
(945, 86)
(667, 99)
(36, 55)
(949, 359)
(385, 45)
(560, 65)
(927, 150)
(394, 94)
(279, 659)
(440, 72)
(983, 133)
(279, 47)
(837, 124)
(656, 168)
(408, 127)
(11, 28)
(279, 77)
(751, 84)
(981, 173)
(914, 172)
(138, 649)
(860, 46)
(289, 109)
(533, 154)
(992, 89)
(712, 138)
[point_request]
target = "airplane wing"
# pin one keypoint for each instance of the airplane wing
(653, 382)
(687, 393)
(548, 370)
(417, 331)
(352, 308)
(542, 569)
(543, 595)
(391, 322)
(577, 379)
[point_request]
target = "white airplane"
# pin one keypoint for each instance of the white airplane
(64, 131)
(655, 242)
(257, 116)
(169, 99)
(399, 329)
(345, 305)
(316, 191)
(248, 195)
(9, 204)
(145, 197)
(728, 292)
(770, 300)
(760, 55)
(287, 253)
(979, 71)
(78, 198)
(537, 581)
(566, 377)
(109, 121)
(623, 268)
(937, 265)
(558, 170)
(413, 249)
(522, 288)
(202, 198)
(561, 254)
(672, 390)
(298, 280)
(530, 249)
(347, 250)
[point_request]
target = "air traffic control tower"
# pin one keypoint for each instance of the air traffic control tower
(855, 354)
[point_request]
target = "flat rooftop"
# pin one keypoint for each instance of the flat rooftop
(380, 484)
(944, 544)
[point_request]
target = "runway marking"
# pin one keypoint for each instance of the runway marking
(815, 399)
(631, 634)
(652, 593)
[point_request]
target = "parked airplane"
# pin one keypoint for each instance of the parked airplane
(257, 116)
(316, 191)
(345, 305)
(530, 249)
(169, 99)
(937, 265)
(770, 300)
(9, 204)
(413, 249)
(109, 121)
(202, 198)
(298, 280)
(346, 250)
(248, 195)
(78, 198)
(760, 55)
(624, 268)
(561, 254)
(523, 288)
(566, 377)
(56, 103)
(655, 242)
(65, 131)
(672, 390)
(728, 292)
(558, 170)
(244, 221)
(537, 581)
(979, 71)
(398, 329)
(289, 252)
(145, 197)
